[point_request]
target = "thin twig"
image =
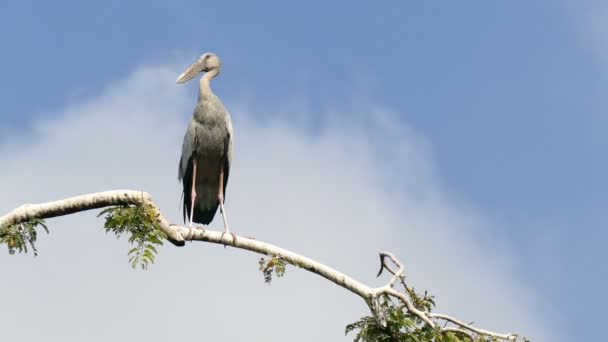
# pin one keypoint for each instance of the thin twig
(508, 337)
(459, 331)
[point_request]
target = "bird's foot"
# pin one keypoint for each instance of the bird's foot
(227, 231)
(193, 228)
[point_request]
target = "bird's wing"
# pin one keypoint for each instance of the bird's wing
(184, 173)
(228, 142)
(188, 148)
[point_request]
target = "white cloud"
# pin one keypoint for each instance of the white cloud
(361, 183)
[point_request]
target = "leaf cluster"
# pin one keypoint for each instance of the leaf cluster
(404, 326)
(274, 265)
(18, 237)
(401, 325)
(141, 223)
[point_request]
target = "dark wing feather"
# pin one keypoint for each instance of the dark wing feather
(187, 190)
(185, 170)
(200, 216)
(227, 160)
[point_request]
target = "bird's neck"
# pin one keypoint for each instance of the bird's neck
(205, 92)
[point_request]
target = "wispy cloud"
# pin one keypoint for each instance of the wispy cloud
(589, 19)
(362, 182)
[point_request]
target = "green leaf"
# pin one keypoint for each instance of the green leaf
(401, 324)
(18, 237)
(274, 265)
(140, 223)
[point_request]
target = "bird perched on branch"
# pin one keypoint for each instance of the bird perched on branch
(207, 148)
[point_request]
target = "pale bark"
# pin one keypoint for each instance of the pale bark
(179, 234)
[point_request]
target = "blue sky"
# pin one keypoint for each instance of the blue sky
(508, 94)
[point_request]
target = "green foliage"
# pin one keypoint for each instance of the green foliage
(403, 326)
(17, 237)
(424, 302)
(274, 265)
(140, 222)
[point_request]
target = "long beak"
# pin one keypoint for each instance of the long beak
(192, 71)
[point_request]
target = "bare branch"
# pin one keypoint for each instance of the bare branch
(96, 200)
(290, 257)
(398, 273)
(459, 331)
(178, 235)
(508, 337)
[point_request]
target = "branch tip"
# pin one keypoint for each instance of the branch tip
(381, 265)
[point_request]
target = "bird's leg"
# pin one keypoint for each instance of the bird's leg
(193, 192)
(220, 198)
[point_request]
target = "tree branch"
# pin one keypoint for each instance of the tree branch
(177, 235)
(97, 200)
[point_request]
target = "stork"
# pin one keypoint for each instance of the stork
(204, 165)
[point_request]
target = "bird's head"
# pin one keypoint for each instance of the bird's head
(207, 62)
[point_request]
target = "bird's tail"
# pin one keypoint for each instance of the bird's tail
(201, 214)
(204, 216)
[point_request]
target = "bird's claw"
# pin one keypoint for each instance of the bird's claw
(192, 230)
(228, 232)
